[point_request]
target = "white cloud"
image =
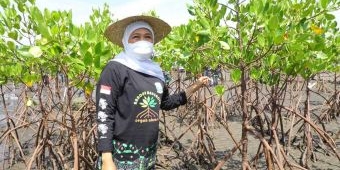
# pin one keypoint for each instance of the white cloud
(337, 17)
(173, 12)
(134, 8)
(80, 10)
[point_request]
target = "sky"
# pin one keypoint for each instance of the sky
(172, 11)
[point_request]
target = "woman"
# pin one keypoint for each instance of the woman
(130, 93)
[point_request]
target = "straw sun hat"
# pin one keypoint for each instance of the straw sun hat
(115, 31)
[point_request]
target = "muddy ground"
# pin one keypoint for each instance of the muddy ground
(176, 155)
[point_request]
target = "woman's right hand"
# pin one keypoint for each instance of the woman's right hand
(108, 163)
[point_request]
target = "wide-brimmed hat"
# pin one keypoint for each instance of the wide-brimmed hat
(115, 31)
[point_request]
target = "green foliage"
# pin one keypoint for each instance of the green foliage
(236, 75)
(264, 38)
(220, 90)
(196, 45)
(48, 42)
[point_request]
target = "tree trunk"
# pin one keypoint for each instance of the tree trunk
(308, 152)
(245, 119)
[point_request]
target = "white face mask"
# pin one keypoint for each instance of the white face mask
(143, 50)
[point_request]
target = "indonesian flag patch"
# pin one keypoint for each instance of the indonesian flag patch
(105, 89)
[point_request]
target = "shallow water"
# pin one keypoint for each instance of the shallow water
(11, 101)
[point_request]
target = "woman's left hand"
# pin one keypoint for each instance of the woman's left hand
(204, 80)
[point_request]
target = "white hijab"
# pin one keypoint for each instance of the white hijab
(144, 66)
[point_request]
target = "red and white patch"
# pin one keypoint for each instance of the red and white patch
(105, 89)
